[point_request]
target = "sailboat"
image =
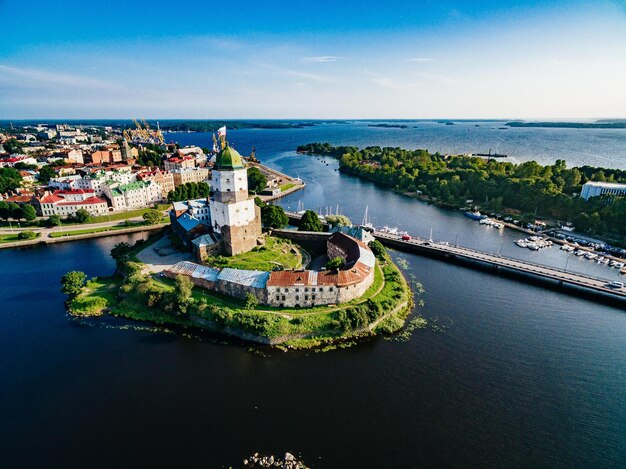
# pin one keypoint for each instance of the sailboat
(367, 223)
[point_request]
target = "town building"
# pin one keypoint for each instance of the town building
(191, 219)
(179, 162)
(130, 196)
(68, 202)
(596, 189)
(164, 178)
(11, 161)
(110, 154)
(183, 176)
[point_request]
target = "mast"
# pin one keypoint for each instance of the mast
(365, 217)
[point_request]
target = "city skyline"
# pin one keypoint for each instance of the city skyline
(536, 59)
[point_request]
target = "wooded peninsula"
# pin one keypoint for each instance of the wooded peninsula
(530, 188)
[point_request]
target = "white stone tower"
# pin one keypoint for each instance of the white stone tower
(234, 215)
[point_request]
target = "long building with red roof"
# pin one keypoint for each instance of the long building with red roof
(67, 202)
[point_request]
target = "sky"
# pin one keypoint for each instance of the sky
(313, 60)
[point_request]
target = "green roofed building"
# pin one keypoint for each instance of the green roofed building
(228, 159)
(138, 194)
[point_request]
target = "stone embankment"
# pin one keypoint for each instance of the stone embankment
(63, 239)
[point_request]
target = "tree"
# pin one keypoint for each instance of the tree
(12, 146)
(182, 292)
(338, 220)
(310, 222)
(73, 282)
(46, 173)
(120, 250)
(54, 220)
(28, 212)
(256, 180)
(273, 216)
(5, 213)
(15, 211)
(82, 215)
(251, 301)
(377, 248)
(10, 180)
(335, 263)
(152, 216)
(258, 202)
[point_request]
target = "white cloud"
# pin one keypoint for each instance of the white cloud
(420, 59)
(321, 59)
(28, 77)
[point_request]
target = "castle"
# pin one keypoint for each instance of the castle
(230, 220)
(234, 216)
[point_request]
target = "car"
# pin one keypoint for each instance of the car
(615, 284)
(406, 237)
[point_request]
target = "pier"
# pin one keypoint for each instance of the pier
(581, 284)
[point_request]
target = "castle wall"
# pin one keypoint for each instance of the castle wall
(240, 239)
(302, 296)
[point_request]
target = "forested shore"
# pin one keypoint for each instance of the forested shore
(530, 188)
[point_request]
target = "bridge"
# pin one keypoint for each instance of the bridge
(572, 282)
(581, 284)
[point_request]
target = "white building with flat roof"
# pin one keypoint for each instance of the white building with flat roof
(596, 188)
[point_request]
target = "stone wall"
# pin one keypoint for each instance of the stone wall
(240, 239)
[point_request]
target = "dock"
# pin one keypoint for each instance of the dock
(577, 283)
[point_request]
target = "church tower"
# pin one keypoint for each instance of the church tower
(234, 215)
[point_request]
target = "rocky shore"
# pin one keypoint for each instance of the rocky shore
(288, 461)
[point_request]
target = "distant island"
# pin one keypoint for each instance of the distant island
(618, 124)
(389, 126)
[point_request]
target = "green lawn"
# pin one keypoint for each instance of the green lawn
(125, 215)
(287, 186)
(60, 234)
(275, 253)
(12, 238)
(306, 327)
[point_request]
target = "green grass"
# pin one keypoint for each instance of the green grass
(275, 253)
(61, 234)
(296, 328)
(124, 215)
(12, 238)
(287, 186)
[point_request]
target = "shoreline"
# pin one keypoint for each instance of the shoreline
(78, 237)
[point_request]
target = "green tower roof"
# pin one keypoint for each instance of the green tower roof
(228, 158)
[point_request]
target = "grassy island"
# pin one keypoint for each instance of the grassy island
(133, 294)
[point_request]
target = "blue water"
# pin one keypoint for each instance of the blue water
(507, 374)
(579, 147)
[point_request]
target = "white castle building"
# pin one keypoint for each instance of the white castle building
(234, 215)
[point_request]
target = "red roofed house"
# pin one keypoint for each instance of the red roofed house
(68, 202)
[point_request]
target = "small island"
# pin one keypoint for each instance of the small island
(389, 126)
(278, 287)
(603, 124)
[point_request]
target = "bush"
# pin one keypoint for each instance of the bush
(54, 220)
(27, 235)
(378, 249)
(336, 263)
